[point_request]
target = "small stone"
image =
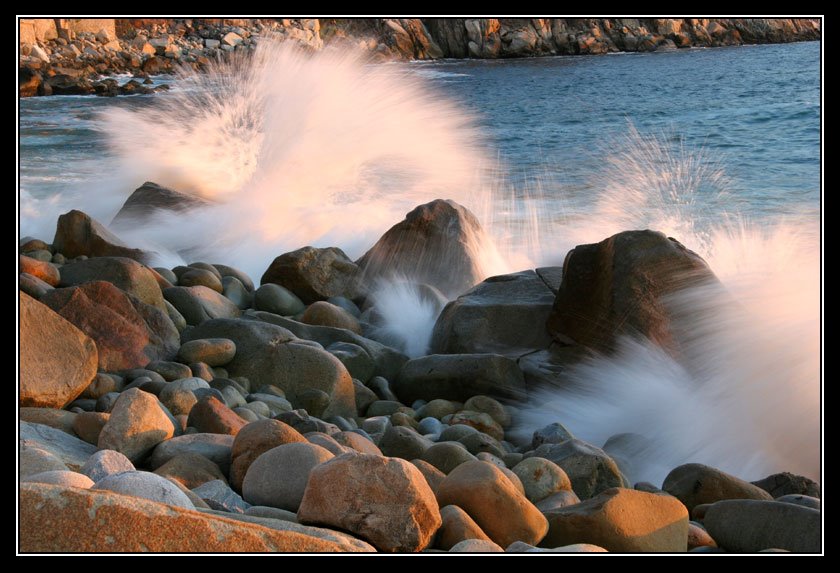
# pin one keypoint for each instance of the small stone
(476, 546)
(438, 409)
(589, 468)
(278, 477)
(457, 433)
(322, 313)
(211, 351)
(314, 401)
(482, 443)
(105, 463)
(34, 460)
(255, 439)
(88, 425)
(235, 291)
(277, 300)
(446, 456)
(170, 370)
(480, 421)
(382, 388)
(179, 401)
(558, 500)
(554, 433)
(698, 536)
(200, 277)
(214, 447)
(211, 416)
(429, 425)
(364, 395)
(489, 406)
(327, 442)
(402, 442)
(456, 526)
(376, 424)
(803, 500)
(136, 425)
(146, 485)
(190, 470)
(433, 476)
(33, 286)
(202, 370)
(785, 483)
(218, 495)
(44, 271)
(541, 478)
(357, 442)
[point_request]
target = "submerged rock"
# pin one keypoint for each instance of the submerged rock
(151, 198)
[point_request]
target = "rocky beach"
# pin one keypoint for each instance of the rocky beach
(190, 409)
(328, 321)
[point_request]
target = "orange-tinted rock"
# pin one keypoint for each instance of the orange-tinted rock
(383, 500)
(65, 520)
(47, 272)
(488, 496)
(57, 360)
(456, 526)
(255, 439)
(211, 416)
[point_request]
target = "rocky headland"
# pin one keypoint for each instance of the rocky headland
(83, 56)
(190, 409)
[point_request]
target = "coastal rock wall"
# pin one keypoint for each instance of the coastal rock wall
(66, 56)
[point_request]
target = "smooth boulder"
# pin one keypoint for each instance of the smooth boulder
(128, 332)
(622, 520)
(621, 286)
(315, 274)
(57, 360)
(278, 477)
(383, 500)
(493, 502)
(78, 234)
(747, 525)
(695, 484)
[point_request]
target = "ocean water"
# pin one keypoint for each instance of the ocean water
(719, 148)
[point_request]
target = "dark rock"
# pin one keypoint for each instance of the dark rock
(315, 274)
(504, 315)
(402, 442)
(201, 277)
(787, 483)
(620, 286)
(435, 244)
(78, 234)
(277, 300)
(747, 525)
(33, 286)
(214, 447)
(459, 377)
(150, 199)
(190, 470)
(695, 484)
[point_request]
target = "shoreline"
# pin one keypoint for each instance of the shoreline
(79, 57)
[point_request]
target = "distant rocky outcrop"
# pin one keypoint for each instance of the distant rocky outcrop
(72, 56)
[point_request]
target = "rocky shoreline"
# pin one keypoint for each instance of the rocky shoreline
(74, 57)
(191, 410)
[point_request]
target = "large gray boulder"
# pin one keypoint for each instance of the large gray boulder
(269, 354)
(504, 315)
(694, 484)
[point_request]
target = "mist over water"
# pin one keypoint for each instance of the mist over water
(292, 150)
